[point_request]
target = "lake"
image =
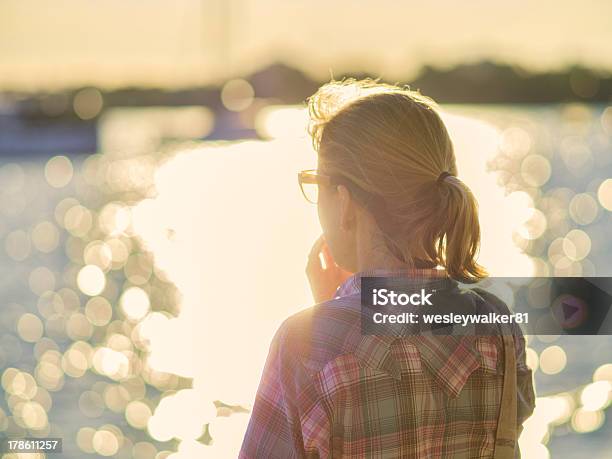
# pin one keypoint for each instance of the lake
(134, 279)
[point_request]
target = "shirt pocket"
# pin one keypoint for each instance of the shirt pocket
(487, 347)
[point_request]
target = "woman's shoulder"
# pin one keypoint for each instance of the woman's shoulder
(490, 302)
(489, 298)
(320, 333)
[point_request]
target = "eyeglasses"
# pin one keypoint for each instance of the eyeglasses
(310, 180)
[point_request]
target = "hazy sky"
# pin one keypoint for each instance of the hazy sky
(49, 43)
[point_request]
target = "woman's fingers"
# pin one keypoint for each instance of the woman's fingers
(317, 247)
(327, 257)
(318, 250)
(324, 275)
(314, 266)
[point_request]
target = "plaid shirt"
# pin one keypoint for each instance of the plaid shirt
(329, 391)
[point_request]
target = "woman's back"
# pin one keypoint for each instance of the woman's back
(330, 391)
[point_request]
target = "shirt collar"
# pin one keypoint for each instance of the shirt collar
(352, 285)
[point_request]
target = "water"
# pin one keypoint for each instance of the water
(211, 244)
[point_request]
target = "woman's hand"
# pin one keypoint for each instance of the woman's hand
(324, 275)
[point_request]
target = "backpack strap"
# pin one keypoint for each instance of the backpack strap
(505, 438)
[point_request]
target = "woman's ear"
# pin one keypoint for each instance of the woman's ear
(347, 209)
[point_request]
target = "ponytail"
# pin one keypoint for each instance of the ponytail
(459, 241)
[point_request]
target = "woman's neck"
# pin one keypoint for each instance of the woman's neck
(372, 253)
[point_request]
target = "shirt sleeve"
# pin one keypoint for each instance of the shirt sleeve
(274, 429)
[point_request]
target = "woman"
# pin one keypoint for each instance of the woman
(390, 204)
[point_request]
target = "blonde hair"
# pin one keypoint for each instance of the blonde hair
(390, 142)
